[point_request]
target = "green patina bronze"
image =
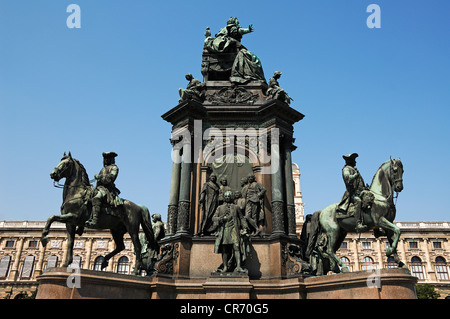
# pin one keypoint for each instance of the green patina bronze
(360, 209)
(79, 198)
(232, 238)
(228, 53)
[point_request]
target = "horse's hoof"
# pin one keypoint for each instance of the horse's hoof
(345, 269)
(44, 241)
(79, 230)
(104, 264)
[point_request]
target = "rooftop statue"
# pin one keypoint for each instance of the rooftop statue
(275, 91)
(228, 54)
(195, 89)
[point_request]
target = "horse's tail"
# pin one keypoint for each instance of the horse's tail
(148, 228)
(314, 232)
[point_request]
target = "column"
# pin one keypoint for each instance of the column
(40, 261)
(380, 254)
(429, 267)
(401, 250)
(88, 248)
(184, 199)
(355, 245)
(174, 193)
(277, 188)
(289, 184)
(111, 247)
(14, 274)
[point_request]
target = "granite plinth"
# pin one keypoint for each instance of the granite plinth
(385, 284)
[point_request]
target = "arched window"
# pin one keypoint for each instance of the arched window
(441, 268)
(368, 264)
(5, 262)
(346, 262)
(52, 262)
(27, 267)
(416, 267)
(123, 266)
(391, 262)
(76, 263)
(98, 263)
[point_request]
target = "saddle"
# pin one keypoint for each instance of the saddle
(367, 198)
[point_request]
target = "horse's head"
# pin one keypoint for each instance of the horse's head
(396, 175)
(63, 169)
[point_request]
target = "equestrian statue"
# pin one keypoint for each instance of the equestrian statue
(98, 208)
(361, 209)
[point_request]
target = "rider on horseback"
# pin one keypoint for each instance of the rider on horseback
(105, 191)
(354, 184)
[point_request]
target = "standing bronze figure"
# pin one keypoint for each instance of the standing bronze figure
(254, 208)
(209, 199)
(223, 189)
(232, 236)
(149, 253)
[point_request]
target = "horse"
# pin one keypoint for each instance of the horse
(326, 229)
(76, 209)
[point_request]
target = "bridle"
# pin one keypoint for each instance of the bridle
(59, 185)
(393, 172)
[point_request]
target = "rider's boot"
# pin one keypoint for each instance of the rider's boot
(360, 227)
(95, 211)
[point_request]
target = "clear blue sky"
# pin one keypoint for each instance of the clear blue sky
(104, 87)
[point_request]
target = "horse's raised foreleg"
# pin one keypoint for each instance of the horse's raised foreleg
(55, 218)
(118, 240)
(390, 228)
(390, 236)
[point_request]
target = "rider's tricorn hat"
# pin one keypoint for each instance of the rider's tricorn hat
(350, 156)
(109, 155)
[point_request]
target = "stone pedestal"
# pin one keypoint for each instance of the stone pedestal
(194, 257)
(228, 286)
(387, 284)
(377, 284)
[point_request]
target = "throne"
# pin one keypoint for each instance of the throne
(217, 66)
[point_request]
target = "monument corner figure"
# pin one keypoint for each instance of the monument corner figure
(232, 239)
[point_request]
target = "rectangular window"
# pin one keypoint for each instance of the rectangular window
(32, 244)
(437, 245)
(366, 245)
(9, 244)
(344, 245)
(413, 245)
